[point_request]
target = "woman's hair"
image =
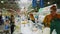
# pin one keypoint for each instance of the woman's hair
(53, 7)
(12, 16)
(7, 20)
(31, 14)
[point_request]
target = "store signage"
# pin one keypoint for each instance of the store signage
(41, 3)
(34, 3)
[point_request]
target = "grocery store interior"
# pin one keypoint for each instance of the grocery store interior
(25, 16)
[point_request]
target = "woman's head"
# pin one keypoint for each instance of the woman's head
(53, 10)
(7, 21)
(31, 14)
(12, 17)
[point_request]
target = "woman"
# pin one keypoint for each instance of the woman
(12, 21)
(7, 25)
(32, 18)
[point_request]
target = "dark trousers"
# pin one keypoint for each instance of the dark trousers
(12, 29)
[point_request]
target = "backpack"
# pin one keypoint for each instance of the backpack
(55, 24)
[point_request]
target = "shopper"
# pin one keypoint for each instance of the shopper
(12, 22)
(51, 16)
(7, 25)
(1, 20)
(32, 18)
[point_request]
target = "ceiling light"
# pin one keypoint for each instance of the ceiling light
(48, 2)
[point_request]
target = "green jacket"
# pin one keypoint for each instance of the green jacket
(55, 24)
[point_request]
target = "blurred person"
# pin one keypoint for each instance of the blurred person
(1, 19)
(32, 18)
(7, 17)
(51, 16)
(7, 25)
(12, 22)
